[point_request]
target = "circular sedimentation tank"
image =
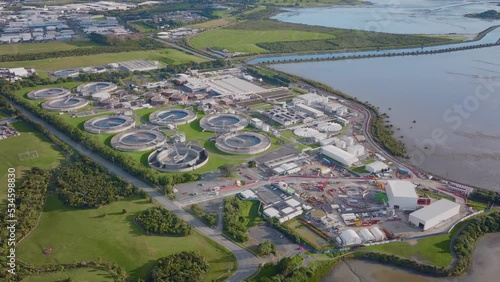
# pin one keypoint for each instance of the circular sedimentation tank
(243, 143)
(172, 116)
(309, 133)
(138, 140)
(223, 123)
(49, 94)
(329, 127)
(109, 124)
(67, 73)
(178, 158)
(94, 87)
(65, 104)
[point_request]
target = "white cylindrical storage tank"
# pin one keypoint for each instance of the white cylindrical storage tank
(341, 144)
(349, 141)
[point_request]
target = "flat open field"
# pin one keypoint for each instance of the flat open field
(306, 233)
(167, 56)
(45, 47)
(49, 156)
(260, 36)
(109, 234)
(79, 274)
(245, 40)
(433, 250)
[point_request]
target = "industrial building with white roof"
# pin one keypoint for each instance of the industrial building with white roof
(339, 155)
(434, 214)
(401, 194)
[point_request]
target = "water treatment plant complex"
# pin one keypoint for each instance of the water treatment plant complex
(305, 157)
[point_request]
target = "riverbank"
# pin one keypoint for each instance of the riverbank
(487, 38)
(486, 267)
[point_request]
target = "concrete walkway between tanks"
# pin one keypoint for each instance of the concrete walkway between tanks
(248, 264)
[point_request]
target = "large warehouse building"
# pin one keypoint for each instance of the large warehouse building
(401, 194)
(434, 214)
(339, 155)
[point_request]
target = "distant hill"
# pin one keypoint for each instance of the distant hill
(490, 14)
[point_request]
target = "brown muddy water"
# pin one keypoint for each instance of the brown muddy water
(485, 268)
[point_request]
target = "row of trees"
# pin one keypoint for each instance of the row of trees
(183, 266)
(29, 199)
(486, 196)
(274, 222)
(83, 183)
(158, 220)
(125, 46)
(234, 223)
(209, 218)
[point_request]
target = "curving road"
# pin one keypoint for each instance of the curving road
(247, 262)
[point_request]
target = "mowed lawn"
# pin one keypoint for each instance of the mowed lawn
(49, 156)
(79, 274)
(167, 56)
(245, 40)
(45, 47)
(108, 234)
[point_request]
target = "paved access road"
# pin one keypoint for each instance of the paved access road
(247, 262)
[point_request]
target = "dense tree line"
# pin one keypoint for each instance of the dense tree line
(290, 269)
(209, 218)
(234, 223)
(274, 222)
(269, 77)
(84, 183)
(466, 240)
(29, 199)
(115, 271)
(115, 47)
(486, 196)
(158, 220)
(183, 266)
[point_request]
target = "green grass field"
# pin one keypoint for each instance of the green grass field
(49, 156)
(245, 40)
(250, 213)
(107, 233)
(309, 235)
(167, 56)
(45, 47)
(433, 250)
(79, 274)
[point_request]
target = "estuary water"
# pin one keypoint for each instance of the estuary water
(444, 107)
(399, 16)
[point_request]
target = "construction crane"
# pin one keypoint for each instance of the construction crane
(379, 184)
